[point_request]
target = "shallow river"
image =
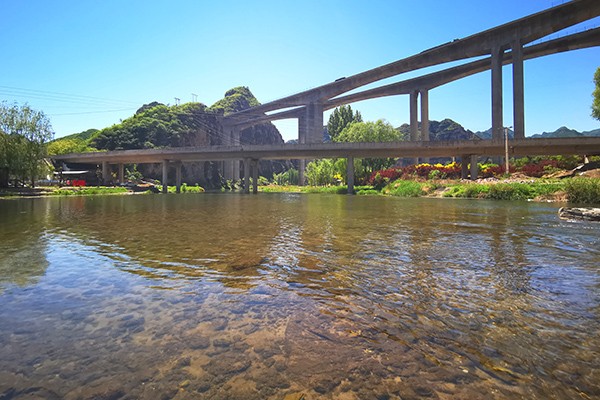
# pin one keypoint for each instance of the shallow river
(224, 296)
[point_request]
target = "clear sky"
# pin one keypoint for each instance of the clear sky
(89, 64)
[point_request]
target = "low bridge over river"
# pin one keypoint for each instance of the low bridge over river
(251, 154)
(506, 44)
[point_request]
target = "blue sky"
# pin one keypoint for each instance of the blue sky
(88, 64)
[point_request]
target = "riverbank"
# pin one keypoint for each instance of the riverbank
(573, 190)
(88, 191)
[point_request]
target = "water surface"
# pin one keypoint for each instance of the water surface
(262, 297)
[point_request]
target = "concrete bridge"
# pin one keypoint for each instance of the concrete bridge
(504, 44)
(251, 154)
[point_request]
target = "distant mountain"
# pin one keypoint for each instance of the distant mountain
(561, 132)
(595, 133)
(442, 130)
(486, 135)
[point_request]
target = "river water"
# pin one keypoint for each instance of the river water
(284, 296)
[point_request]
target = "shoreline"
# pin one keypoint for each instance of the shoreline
(575, 190)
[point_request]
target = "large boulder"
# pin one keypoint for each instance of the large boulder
(585, 214)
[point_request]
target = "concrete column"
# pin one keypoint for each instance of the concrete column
(302, 133)
(105, 173)
(254, 176)
(350, 174)
(314, 114)
(497, 124)
(518, 91)
(228, 164)
(301, 167)
(414, 122)
(464, 166)
(121, 173)
(474, 167)
(424, 93)
(178, 177)
(165, 175)
(424, 115)
(246, 175)
(236, 141)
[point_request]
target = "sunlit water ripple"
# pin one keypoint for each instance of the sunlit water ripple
(263, 297)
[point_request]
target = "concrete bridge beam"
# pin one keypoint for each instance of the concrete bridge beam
(518, 90)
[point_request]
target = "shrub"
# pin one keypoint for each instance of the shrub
(583, 190)
(405, 189)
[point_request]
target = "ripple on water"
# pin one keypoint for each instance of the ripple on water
(315, 296)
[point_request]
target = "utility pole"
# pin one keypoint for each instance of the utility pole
(177, 99)
(194, 97)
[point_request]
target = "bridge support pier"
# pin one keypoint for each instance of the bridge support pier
(105, 173)
(474, 167)
(301, 167)
(497, 124)
(518, 90)
(414, 120)
(121, 173)
(464, 166)
(246, 175)
(350, 174)
(178, 177)
(310, 130)
(255, 176)
(165, 175)
(425, 118)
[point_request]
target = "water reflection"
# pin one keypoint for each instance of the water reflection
(225, 296)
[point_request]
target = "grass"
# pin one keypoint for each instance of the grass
(88, 191)
(402, 188)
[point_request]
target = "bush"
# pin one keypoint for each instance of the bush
(509, 191)
(469, 190)
(583, 190)
(405, 189)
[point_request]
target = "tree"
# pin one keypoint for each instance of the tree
(370, 132)
(339, 119)
(24, 134)
(596, 94)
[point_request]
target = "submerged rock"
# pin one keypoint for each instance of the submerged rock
(586, 214)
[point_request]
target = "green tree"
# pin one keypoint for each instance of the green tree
(370, 132)
(340, 118)
(24, 134)
(64, 146)
(596, 94)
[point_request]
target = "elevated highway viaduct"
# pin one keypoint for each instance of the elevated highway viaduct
(503, 45)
